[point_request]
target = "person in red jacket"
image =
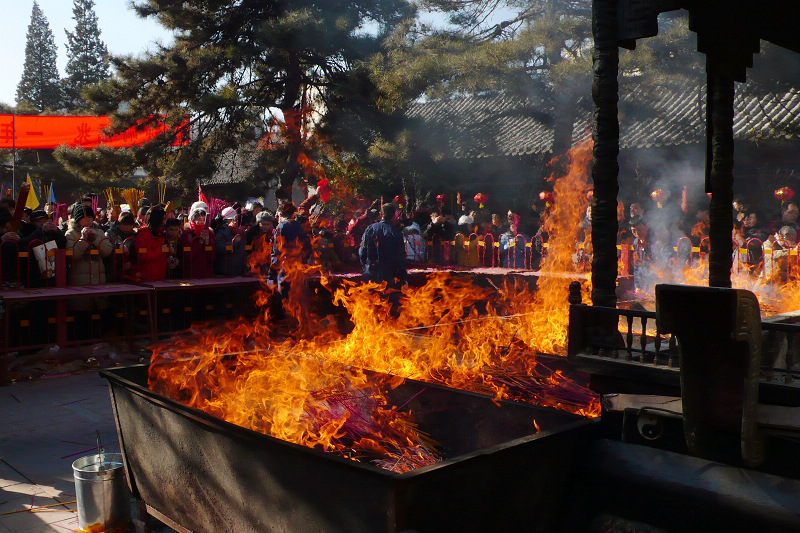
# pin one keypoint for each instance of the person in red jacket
(150, 241)
(197, 240)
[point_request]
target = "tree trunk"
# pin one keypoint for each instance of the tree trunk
(605, 171)
(293, 115)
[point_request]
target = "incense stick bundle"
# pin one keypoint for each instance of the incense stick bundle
(162, 190)
(215, 207)
(113, 209)
(109, 192)
(132, 197)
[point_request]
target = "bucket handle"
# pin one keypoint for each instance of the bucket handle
(100, 450)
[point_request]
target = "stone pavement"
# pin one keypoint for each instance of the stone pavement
(45, 425)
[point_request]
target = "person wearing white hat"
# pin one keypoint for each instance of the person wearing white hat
(229, 245)
(196, 207)
(229, 214)
(196, 240)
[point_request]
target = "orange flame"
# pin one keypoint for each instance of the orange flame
(288, 378)
(774, 298)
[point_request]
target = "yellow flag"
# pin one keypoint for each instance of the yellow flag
(32, 202)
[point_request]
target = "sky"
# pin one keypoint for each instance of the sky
(120, 28)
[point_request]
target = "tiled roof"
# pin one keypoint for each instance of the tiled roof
(511, 126)
(486, 126)
(481, 126)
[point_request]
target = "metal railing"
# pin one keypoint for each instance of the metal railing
(637, 340)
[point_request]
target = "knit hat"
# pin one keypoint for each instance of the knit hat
(79, 211)
(229, 213)
(126, 217)
(198, 206)
(264, 215)
(37, 215)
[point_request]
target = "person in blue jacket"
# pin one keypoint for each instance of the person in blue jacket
(383, 252)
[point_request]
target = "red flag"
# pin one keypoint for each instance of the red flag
(201, 196)
(323, 191)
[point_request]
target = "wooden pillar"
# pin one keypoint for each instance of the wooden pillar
(719, 173)
(605, 170)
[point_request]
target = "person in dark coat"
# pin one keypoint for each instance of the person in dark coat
(44, 231)
(172, 235)
(383, 251)
(229, 246)
(291, 247)
(291, 242)
(264, 227)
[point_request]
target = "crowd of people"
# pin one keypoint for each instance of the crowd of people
(147, 243)
(150, 244)
(667, 233)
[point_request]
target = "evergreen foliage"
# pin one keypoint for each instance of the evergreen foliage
(230, 63)
(40, 82)
(87, 54)
(535, 49)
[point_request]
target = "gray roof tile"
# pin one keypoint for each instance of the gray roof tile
(499, 125)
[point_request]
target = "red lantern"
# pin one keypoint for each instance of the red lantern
(784, 194)
(709, 195)
(590, 195)
(441, 198)
(547, 196)
(658, 195)
(400, 200)
(481, 198)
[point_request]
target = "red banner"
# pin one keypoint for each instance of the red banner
(29, 131)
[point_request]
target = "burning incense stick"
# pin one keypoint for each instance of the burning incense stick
(36, 508)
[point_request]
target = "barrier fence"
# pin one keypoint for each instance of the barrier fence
(19, 267)
(52, 295)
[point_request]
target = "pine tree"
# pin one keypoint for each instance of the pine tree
(233, 61)
(87, 55)
(40, 83)
(535, 48)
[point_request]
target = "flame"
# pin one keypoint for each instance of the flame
(320, 380)
(774, 298)
(700, 229)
